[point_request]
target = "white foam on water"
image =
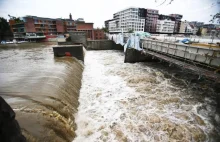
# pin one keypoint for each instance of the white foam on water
(134, 102)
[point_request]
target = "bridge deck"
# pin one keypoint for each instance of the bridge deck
(195, 69)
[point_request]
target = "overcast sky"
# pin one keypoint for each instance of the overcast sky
(97, 11)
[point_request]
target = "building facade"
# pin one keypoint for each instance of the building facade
(165, 24)
(178, 19)
(151, 18)
(185, 27)
(86, 27)
(99, 34)
(142, 19)
(126, 20)
(196, 23)
(39, 27)
(33, 26)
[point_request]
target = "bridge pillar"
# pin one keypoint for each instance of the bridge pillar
(132, 56)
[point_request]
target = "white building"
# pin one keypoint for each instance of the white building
(165, 26)
(185, 27)
(126, 20)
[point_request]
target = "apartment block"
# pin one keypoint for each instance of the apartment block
(185, 27)
(165, 24)
(178, 19)
(69, 24)
(39, 27)
(33, 26)
(126, 20)
(151, 18)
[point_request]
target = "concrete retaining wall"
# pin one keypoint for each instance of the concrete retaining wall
(65, 43)
(103, 45)
(78, 37)
(69, 50)
(132, 56)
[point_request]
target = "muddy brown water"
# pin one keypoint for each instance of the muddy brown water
(118, 102)
(42, 90)
(144, 102)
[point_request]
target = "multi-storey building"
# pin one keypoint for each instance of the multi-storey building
(196, 23)
(86, 27)
(32, 26)
(39, 27)
(36, 27)
(135, 19)
(178, 19)
(151, 18)
(165, 24)
(107, 23)
(126, 20)
(185, 27)
(69, 24)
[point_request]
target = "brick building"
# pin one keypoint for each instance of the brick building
(98, 34)
(39, 27)
(33, 26)
(85, 27)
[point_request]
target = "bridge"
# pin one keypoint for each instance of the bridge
(203, 61)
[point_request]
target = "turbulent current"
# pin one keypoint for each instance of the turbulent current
(42, 90)
(116, 102)
(143, 102)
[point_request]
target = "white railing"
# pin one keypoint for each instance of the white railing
(208, 56)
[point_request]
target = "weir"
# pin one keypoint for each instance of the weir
(47, 104)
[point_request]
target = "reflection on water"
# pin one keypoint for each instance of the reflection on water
(143, 102)
(42, 90)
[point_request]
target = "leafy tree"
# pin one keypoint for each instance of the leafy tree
(198, 33)
(215, 17)
(105, 30)
(4, 28)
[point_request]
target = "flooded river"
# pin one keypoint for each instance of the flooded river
(118, 102)
(42, 90)
(143, 102)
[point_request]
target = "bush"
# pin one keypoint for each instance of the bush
(68, 39)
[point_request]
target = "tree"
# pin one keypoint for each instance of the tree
(105, 30)
(131, 31)
(215, 17)
(5, 30)
(198, 33)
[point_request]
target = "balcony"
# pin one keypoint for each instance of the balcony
(40, 27)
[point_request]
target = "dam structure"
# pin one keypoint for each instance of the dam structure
(98, 90)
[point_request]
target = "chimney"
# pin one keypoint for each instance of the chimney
(71, 17)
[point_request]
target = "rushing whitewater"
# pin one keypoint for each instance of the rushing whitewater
(143, 102)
